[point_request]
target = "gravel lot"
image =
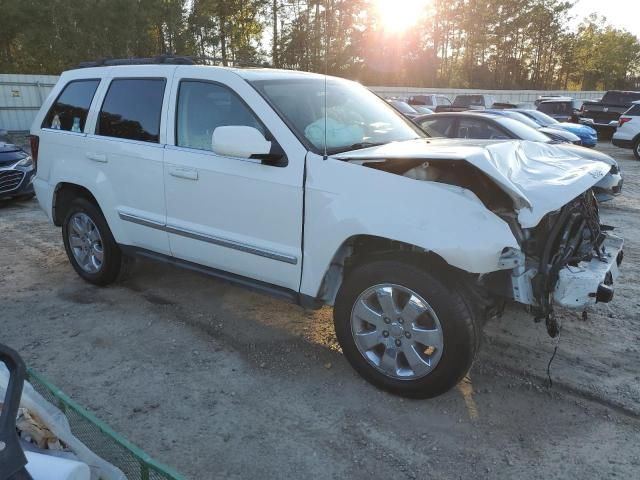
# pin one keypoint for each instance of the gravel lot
(221, 383)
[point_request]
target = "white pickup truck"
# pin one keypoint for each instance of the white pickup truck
(315, 190)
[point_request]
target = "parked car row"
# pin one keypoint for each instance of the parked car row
(555, 111)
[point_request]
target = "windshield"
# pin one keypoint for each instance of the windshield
(522, 131)
(468, 101)
(521, 118)
(557, 108)
(356, 118)
(540, 118)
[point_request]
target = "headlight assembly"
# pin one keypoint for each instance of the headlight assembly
(25, 162)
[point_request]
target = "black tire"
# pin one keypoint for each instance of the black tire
(460, 330)
(636, 149)
(112, 260)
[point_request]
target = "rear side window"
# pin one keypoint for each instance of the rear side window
(556, 108)
(633, 111)
(132, 108)
(202, 107)
(438, 127)
(69, 111)
(475, 128)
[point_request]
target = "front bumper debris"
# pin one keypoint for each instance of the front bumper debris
(590, 281)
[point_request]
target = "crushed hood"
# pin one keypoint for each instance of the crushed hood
(540, 178)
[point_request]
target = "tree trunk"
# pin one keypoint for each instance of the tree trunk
(274, 51)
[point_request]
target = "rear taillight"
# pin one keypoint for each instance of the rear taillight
(623, 120)
(35, 144)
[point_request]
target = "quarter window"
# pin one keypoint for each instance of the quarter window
(69, 112)
(132, 108)
(202, 107)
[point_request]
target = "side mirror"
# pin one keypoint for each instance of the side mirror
(240, 142)
(247, 142)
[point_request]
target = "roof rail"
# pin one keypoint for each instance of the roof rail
(167, 60)
(158, 60)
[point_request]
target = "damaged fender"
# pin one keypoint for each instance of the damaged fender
(448, 220)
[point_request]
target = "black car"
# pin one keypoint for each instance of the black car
(16, 172)
(604, 114)
(563, 109)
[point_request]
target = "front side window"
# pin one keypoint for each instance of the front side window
(69, 112)
(132, 108)
(355, 117)
(204, 106)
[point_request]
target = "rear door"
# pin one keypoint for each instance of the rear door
(127, 145)
(237, 215)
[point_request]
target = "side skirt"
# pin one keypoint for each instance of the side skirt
(276, 291)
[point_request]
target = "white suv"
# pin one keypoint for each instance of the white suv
(627, 134)
(236, 173)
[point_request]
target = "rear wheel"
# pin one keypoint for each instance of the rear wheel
(405, 330)
(636, 149)
(90, 246)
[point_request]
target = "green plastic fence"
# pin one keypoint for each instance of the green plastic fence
(100, 438)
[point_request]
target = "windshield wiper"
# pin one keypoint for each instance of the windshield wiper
(356, 146)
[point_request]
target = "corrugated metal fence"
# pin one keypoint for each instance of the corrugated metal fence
(22, 95)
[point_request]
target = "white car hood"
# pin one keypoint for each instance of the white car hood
(540, 178)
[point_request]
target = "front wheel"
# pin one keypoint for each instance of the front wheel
(404, 329)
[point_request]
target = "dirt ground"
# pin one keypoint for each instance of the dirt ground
(221, 383)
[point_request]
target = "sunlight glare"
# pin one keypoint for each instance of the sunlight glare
(399, 15)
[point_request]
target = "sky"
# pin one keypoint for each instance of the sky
(620, 13)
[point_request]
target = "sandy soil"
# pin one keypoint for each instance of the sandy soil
(221, 383)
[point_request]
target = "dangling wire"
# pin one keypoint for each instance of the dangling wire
(555, 350)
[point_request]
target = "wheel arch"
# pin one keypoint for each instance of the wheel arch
(63, 196)
(361, 248)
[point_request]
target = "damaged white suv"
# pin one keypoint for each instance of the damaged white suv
(236, 173)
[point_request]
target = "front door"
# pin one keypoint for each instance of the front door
(232, 214)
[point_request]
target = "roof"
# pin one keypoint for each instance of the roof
(248, 73)
(558, 99)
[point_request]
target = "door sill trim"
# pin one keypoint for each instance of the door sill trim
(222, 242)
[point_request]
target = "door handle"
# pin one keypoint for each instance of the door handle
(187, 173)
(97, 157)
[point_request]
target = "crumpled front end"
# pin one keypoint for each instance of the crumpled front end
(570, 259)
